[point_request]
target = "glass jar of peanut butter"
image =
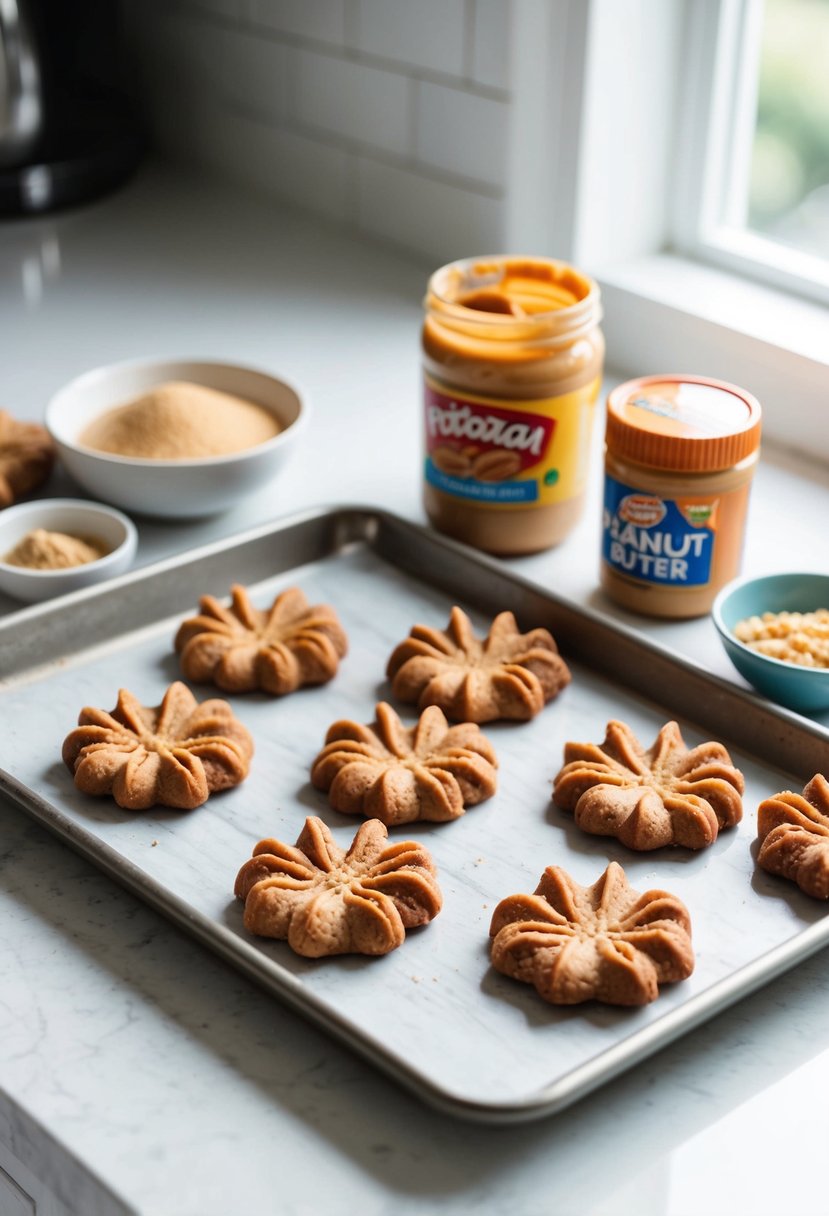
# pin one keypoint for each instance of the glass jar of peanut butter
(680, 456)
(512, 359)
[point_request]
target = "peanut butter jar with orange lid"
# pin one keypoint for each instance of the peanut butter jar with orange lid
(679, 460)
(512, 361)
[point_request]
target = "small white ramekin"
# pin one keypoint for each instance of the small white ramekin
(74, 517)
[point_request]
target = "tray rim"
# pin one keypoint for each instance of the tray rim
(354, 523)
(358, 524)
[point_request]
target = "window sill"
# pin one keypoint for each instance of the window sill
(665, 313)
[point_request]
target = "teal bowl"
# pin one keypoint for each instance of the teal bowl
(802, 688)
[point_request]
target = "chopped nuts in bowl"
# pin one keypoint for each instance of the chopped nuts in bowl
(792, 637)
(775, 630)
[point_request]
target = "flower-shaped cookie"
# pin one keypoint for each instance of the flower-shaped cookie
(793, 831)
(606, 942)
(26, 457)
(241, 648)
(323, 900)
(386, 772)
(508, 675)
(174, 755)
(647, 799)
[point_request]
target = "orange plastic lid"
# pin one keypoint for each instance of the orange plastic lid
(688, 423)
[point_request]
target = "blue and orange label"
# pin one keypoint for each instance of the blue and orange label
(665, 541)
(491, 451)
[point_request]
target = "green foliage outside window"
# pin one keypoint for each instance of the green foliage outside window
(789, 186)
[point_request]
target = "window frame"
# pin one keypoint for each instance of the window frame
(708, 220)
(621, 124)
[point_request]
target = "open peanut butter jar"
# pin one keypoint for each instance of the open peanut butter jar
(512, 359)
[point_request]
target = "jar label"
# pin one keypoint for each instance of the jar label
(503, 453)
(669, 541)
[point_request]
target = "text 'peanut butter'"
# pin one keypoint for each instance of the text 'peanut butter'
(679, 459)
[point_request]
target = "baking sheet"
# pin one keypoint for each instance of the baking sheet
(433, 1013)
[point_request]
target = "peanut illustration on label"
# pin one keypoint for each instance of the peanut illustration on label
(452, 462)
(496, 465)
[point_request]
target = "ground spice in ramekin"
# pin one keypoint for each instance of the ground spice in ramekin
(42, 550)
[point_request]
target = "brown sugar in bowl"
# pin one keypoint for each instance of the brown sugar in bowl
(182, 487)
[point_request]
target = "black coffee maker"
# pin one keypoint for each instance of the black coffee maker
(68, 131)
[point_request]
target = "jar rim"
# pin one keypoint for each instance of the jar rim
(665, 438)
(469, 276)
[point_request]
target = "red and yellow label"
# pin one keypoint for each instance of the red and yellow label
(508, 453)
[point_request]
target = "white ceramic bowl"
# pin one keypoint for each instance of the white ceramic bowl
(76, 518)
(171, 488)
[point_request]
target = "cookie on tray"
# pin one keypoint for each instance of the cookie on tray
(175, 754)
(26, 457)
(323, 900)
(507, 675)
(793, 834)
(431, 771)
(241, 648)
(649, 798)
(605, 942)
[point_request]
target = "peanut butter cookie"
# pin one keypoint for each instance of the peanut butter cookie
(26, 457)
(665, 795)
(176, 754)
(323, 900)
(793, 831)
(508, 675)
(384, 771)
(605, 943)
(241, 649)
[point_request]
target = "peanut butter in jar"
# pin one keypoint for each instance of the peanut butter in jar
(680, 457)
(512, 359)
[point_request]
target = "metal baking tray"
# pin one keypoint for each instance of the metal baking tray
(432, 1014)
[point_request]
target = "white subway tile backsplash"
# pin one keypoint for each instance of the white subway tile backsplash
(213, 62)
(491, 43)
(462, 133)
(352, 100)
(276, 162)
(440, 221)
(418, 33)
(389, 115)
(301, 171)
(248, 72)
(321, 20)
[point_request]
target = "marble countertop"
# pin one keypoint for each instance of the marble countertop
(138, 1073)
